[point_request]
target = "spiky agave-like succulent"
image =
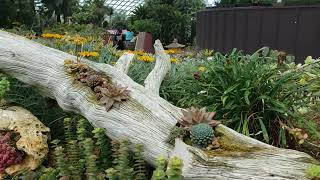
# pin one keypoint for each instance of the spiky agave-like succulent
(201, 135)
(111, 95)
(193, 116)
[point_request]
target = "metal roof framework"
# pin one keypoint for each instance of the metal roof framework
(124, 6)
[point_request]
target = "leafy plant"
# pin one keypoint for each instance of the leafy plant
(314, 171)
(61, 162)
(140, 171)
(147, 25)
(248, 92)
(90, 157)
(93, 157)
(123, 167)
(104, 148)
(4, 86)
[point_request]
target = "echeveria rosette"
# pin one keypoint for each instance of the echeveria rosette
(112, 94)
(193, 116)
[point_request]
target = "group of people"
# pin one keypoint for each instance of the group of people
(123, 40)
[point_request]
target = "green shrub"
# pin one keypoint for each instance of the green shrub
(104, 146)
(248, 92)
(140, 171)
(314, 171)
(301, 2)
(147, 25)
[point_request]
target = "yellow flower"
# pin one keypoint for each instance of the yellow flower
(208, 52)
(173, 51)
(146, 58)
(129, 51)
(78, 40)
(54, 36)
(169, 51)
(140, 53)
(202, 68)
(113, 62)
(89, 54)
(174, 60)
(119, 53)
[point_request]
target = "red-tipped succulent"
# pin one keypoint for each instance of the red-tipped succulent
(8, 154)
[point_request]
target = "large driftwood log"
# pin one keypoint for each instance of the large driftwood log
(147, 118)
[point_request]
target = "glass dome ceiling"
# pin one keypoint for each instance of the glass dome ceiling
(124, 6)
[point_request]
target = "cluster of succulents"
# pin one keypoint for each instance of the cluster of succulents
(199, 124)
(166, 171)
(8, 154)
(107, 93)
(75, 66)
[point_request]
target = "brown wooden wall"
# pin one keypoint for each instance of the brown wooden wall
(295, 30)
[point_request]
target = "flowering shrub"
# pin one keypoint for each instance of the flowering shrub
(53, 36)
(146, 58)
(89, 54)
(173, 51)
(174, 60)
(78, 40)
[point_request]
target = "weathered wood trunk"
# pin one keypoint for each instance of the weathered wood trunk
(147, 118)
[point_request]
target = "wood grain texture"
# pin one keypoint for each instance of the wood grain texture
(163, 65)
(124, 62)
(147, 118)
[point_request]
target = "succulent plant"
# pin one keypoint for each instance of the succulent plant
(75, 66)
(111, 95)
(91, 79)
(174, 171)
(201, 135)
(159, 173)
(94, 80)
(8, 154)
(194, 116)
(176, 132)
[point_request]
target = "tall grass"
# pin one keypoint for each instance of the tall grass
(250, 93)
